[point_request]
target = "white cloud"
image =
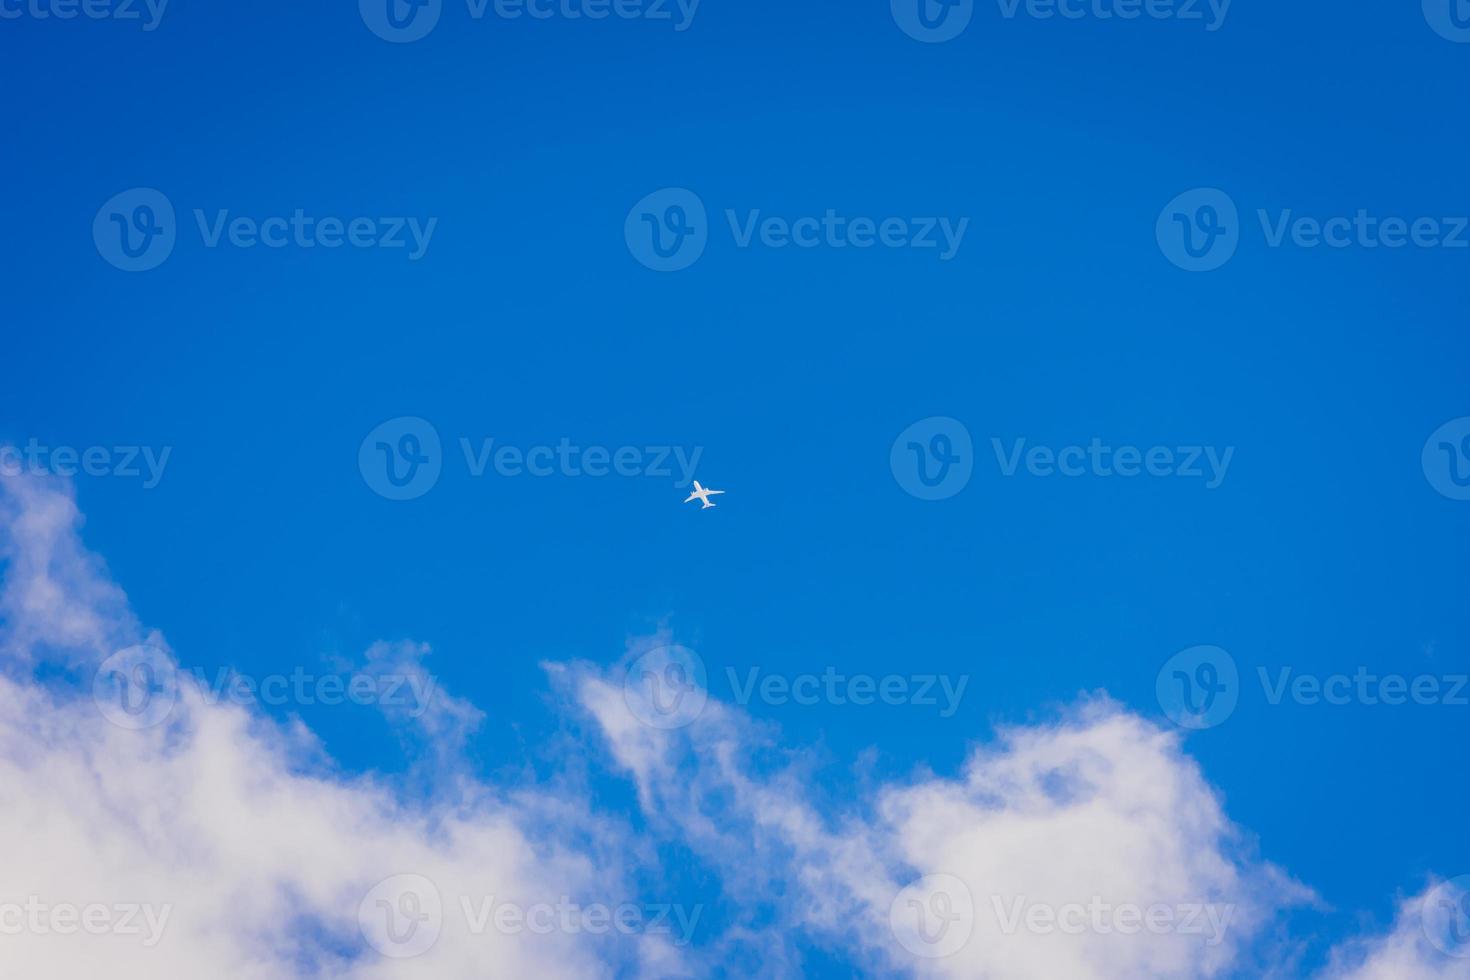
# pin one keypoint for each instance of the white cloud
(235, 828)
(1087, 819)
(253, 853)
(1405, 952)
(56, 598)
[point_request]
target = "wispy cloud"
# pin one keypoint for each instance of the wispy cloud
(1090, 846)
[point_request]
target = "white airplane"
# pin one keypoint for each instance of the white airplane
(702, 495)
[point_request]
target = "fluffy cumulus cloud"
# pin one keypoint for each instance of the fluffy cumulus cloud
(149, 829)
(1089, 848)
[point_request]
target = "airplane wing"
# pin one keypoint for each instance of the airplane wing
(692, 496)
(713, 492)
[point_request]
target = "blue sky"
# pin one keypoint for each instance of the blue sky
(529, 319)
